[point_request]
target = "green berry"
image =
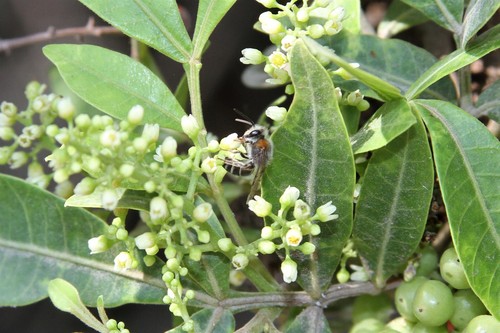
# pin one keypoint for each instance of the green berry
(483, 324)
(467, 306)
(368, 306)
(404, 296)
(369, 325)
(428, 261)
(452, 270)
(421, 328)
(433, 303)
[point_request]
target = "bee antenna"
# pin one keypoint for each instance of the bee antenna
(245, 120)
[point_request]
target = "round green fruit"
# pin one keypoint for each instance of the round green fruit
(428, 261)
(433, 303)
(467, 306)
(452, 269)
(421, 328)
(368, 306)
(483, 324)
(367, 326)
(404, 296)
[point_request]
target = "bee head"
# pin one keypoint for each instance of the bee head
(254, 133)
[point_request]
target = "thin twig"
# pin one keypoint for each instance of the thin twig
(7, 45)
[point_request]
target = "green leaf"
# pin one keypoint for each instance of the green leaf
(484, 44)
(40, 240)
(392, 209)
(390, 60)
(392, 119)
(113, 83)
(477, 14)
(129, 199)
(312, 152)
(489, 103)
(446, 13)
(155, 23)
(467, 157)
(65, 297)
(210, 13)
(211, 274)
(215, 320)
(310, 320)
(399, 17)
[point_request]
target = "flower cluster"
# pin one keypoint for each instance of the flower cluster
(288, 24)
(294, 221)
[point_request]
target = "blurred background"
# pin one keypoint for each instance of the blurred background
(222, 92)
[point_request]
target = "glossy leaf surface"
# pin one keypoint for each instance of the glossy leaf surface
(155, 23)
(467, 157)
(392, 119)
(392, 208)
(446, 13)
(114, 83)
(312, 152)
(40, 240)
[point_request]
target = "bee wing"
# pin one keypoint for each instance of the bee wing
(254, 189)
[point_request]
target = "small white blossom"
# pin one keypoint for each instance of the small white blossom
(252, 56)
(289, 270)
(203, 212)
(287, 42)
(240, 261)
(359, 275)
(65, 108)
(213, 146)
(209, 165)
(259, 206)
(269, 24)
(303, 15)
(6, 121)
(98, 244)
(145, 240)
(18, 159)
(325, 212)
(109, 199)
(266, 247)
(266, 233)
(230, 142)
(151, 132)
(276, 113)
(168, 148)
(301, 210)
(158, 208)
(316, 31)
(293, 236)
(135, 114)
(289, 197)
(190, 125)
(278, 59)
(123, 261)
(110, 138)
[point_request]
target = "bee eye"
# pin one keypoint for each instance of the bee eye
(255, 133)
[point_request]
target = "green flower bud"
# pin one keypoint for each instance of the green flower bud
(266, 247)
(190, 126)
(135, 115)
(65, 108)
(240, 261)
(259, 206)
(99, 244)
(203, 212)
(145, 240)
(203, 236)
(301, 211)
(225, 244)
(8, 109)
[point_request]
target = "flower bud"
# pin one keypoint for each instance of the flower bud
(195, 254)
(267, 3)
(145, 240)
(259, 206)
(252, 57)
(6, 133)
(301, 211)
(303, 15)
(135, 115)
(267, 233)
(266, 247)
(168, 148)
(325, 212)
(158, 209)
(203, 236)
(126, 170)
(276, 113)
(270, 25)
(173, 264)
(6, 121)
(8, 109)
(289, 197)
(354, 98)
(98, 244)
(151, 132)
(240, 261)
(209, 165)
(230, 142)
(190, 126)
(307, 248)
(65, 108)
(316, 31)
(110, 138)
(343, 275)
(213, 146)
(203, 212)
(289, 270)
(225, 244)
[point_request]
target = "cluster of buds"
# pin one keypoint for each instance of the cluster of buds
(343, 275)
(354, 98)
(294, 221)
(288, 24)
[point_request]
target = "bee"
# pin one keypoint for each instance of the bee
(259, 151)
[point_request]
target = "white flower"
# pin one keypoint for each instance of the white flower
(337, 14)
(168, 148)
(203, 212)
(278, 59)
(287, 42)
(269, 24)
(151, 132)
(135, 114)
(110, 138)
(18, 159)
(259, 206)
(267, 3)
(293, 236)
(266, 233)
(325, 212)
(158, 208)
(266, 247)
(240, 261)
(230, 142)
(301, 210)
(359, 275)
(98, 244)
(252, 56)
(145, 240)
(123, 261)
(276, 113)
(65, 108)
(209, 165)
(289, 270)
(190, 125)
(289, 197)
